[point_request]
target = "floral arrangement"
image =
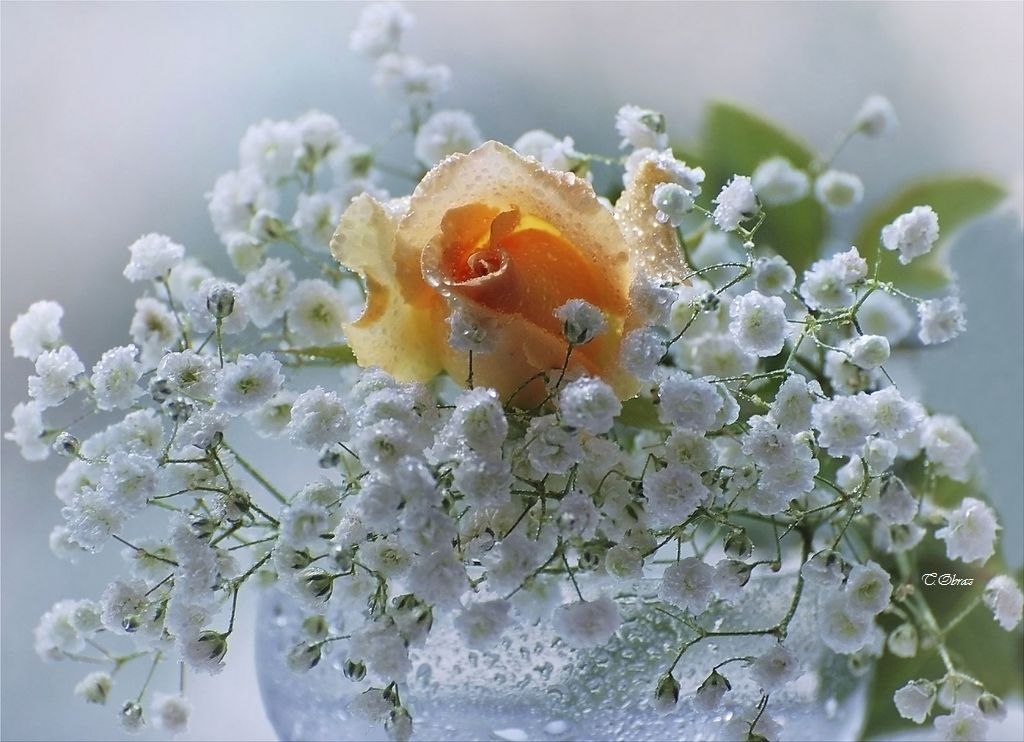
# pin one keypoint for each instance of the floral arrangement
(538, 396)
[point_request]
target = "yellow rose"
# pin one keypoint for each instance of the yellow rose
(511, 241)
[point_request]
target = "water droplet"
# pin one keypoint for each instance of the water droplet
(512, 735)
(556, 727)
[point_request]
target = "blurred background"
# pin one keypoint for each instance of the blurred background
(117, 118)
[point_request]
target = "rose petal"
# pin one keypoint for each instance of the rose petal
(654, 247)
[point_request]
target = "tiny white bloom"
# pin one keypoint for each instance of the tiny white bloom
(843, 630)
(773, 276)
(735, 203)
(590, 404)
(28, 431)
(893, 415)
(587, 623)
(965, 723)
(838, 191)
(316, 311)
(791, 408)
(94, 687)
(57, 372)
(411, 80)
(318, 419)
(115, 378)
(941, 320)
(153, 256)
(913, 233)
(271, 148)
(171, 712)
(883, 314)
(758, 323)
(688, 584)
(481, 624)
(869, 351)
(316, 216)
(868, 589)
(914, 700)
(469, 330)
(1005, 600)
(380, 29)
(673, 494)
(641, 127)
(970, 531)
(37, 330)
(777, 182)
(235, 197)
(641, 352)
(688, 403)
(267, 290)
(553, 447)
(673, 203)
(444, 134)
(534, 143)
(843, 423)
(775, 668)
(876, 117)
(949, 447)
(581, 321)
(248, 382)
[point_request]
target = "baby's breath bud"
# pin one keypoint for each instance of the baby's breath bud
(214, 441)
(399, 725)
(317, 584)
(160, 389)
(581, 321)
(859, 663)
(992, 706)
(710, 302)
(304, 657)
(94, 687)
(202, 526)
(221, 300)
(131, 623)
(266, 225)
(237, 504)
(330, 458)
(590, 557)
(66, 444)
(710, 693)
(296, 559)
(666, 696)
(903, 640)
(315, 626)
(343, 558)
(131, 717)
(213, 644)
(738, 545)
(178, 409)
(354, 670)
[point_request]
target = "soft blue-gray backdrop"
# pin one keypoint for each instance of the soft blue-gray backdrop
(118, 117)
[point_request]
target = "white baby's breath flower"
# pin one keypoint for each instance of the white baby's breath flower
(481, 624)
(267, 290)
(469, 330)
(318, 419)
(736, 203)
(1005, 600)
(869, 351)
(235, 197)
(970, 531)
(838, 191)
(115, 378)
(444, 134)
(587, 623)
(153, 329)
(271, 148)
(581, 321)
(57, 372)
(641, 352)
(37, 330)
(28, 430)
(965, 724)
(876, 117)
(949, 447)
(248, 382)
(842, 629)
(410, 80)
(868, 589)
(914, 700)
(913, 233)
(687, 584)
(843, 423)
(673, 203)
(590, 404)
(641, 127)
(775, 668)
(777, 182)
(533, 143)
(773, 276)
(689, 403)
(190, 373)
(316, 216)
(316, 311)
(758, 323)
(941, 320)
(171, 712)
(94, 687)
(380, 29)
(153, 256)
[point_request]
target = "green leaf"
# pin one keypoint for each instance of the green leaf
(956, 199)
(640, 412)
(735, 142)
(337, 354)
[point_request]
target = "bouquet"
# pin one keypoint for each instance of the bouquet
(535, 397)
